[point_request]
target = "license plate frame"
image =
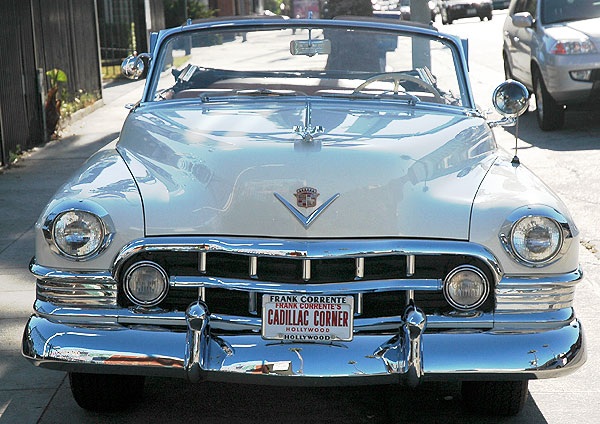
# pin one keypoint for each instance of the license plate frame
(307, 318)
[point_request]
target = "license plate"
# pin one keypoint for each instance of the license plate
(472, 11)
(307, 318)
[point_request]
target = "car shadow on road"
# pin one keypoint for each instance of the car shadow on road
(581, 132)
(169, 401)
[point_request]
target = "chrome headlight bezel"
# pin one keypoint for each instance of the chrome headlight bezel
(107, 228)
(567, 232)
(472, 306)
(127, 278)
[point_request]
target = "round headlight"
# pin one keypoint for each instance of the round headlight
(536, 239)
(146, 283)
(78, 234)
(466, 287)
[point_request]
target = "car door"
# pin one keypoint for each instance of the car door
(519, 41)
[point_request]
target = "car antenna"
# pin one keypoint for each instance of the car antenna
(515, 160)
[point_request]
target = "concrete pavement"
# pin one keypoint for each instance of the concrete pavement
(25, 188)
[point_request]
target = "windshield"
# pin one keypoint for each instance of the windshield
(320, 61)
(554, 11)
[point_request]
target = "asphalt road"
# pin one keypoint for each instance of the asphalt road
(565, 160)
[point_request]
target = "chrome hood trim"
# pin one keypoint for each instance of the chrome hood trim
(214, 168)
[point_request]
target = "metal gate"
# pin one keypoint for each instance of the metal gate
(36, 36)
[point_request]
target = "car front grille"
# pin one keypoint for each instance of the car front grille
(193, 274)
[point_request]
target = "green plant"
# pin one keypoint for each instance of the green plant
(13, 156)
(80, 101)
(54, 99)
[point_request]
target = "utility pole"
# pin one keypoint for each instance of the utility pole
(419, 12)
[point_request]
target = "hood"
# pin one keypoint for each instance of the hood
(227, 168)
(576, 30)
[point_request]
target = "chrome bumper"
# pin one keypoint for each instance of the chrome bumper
(409, 354)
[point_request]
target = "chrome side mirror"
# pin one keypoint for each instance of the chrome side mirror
(511, 99)
(522, 20)
(133, 67)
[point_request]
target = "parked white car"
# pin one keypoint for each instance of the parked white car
(306, 202)
(551, 46)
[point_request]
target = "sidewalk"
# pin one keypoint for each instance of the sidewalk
(25, 188)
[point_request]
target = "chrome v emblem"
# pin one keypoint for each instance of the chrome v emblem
(306, 220)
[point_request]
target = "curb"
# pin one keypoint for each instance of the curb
(76, 116)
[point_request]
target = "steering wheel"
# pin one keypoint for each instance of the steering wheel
(397, 78)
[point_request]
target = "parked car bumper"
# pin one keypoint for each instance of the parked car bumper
(566, 90)
(468, 11)
(198, 351)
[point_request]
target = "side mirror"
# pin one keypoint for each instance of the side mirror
(511, 99)
(134, 67)
(522, 20)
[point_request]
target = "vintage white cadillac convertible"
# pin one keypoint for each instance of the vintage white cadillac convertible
(306, 202)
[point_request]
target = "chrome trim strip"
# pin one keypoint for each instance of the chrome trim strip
(542, 293)
(309, 249)
(352, 287)
(156, 316)
(75, 277)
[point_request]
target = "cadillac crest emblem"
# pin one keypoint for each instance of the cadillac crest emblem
(306, 197)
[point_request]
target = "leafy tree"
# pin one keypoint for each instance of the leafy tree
(334, 8)
(175, 13)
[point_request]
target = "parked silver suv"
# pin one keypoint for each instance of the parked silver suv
(553, 47)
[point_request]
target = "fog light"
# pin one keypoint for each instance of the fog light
(146, 283)
(466, 288)
(583, 75)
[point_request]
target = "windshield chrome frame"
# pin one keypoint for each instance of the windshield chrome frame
(460, 62)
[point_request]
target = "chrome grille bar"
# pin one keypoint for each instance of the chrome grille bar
(202, 262)
(351, 287)
(306, 269)
(410, 265)
(253, 271)
(360, 268)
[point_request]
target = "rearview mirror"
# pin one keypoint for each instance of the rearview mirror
(310, 47)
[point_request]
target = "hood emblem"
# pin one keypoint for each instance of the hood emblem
(306, 197)
(307, 131)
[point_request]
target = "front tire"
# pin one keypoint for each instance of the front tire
(550, 115)
(507, 71)
(503, 398)
(105, 392)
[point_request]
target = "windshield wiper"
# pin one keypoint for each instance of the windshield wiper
(252, 92)
(413, 100)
